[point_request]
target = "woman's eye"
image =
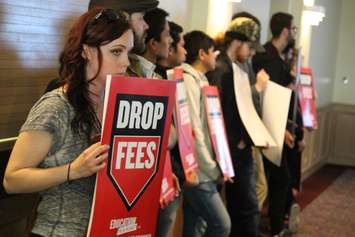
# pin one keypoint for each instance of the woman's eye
(116, 52)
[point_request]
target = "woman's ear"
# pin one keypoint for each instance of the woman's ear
(88, 53)
(84, 52)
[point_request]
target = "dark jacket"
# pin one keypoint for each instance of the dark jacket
(222, 77)
(274, 65)
(279, 72)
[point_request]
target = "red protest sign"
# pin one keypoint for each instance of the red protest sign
(306, 95)
(183, 124)
(167, 185)
(137, 116)
(217, 130)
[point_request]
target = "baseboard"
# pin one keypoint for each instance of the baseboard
(342, 162)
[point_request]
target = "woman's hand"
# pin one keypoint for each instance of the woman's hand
(23, 174)
(89, 161)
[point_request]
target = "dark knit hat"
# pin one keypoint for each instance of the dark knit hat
(129, 6)
(250, 29)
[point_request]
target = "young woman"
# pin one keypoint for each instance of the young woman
(53, 154)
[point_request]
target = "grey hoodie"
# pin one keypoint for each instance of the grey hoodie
(194, 81)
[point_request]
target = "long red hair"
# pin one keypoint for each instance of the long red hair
(95, 28)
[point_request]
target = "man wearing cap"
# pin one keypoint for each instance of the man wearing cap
(241, 197)
(136, 10)
(241, 22)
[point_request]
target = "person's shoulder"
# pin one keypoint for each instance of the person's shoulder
(134, 68)
(56, 96)
(49, 113)
(54, 100)
(188, 71)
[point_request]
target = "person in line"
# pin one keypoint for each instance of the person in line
(176, 56)
(203, 204)
(157, 41)
(53, 154)
(246, 22)
(272, 61)
(135, 9)
(241, 197)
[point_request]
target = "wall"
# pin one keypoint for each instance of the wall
(193, 14)
(344, 93)
(31, 37)
(322, 42)
(180, 11)
(318, 145)
(323, 48)
(342, 135)
(260, 9)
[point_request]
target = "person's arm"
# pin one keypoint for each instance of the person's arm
(193, 93)
(172, 137)
(262, 79)
(23, 176)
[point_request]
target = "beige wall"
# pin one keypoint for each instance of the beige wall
(260, 9)
(191, 14)
(342, 139)
(180, 11)
(317, 144)
(31, 37)
(345, 93)
(333, 141)
(323, 49)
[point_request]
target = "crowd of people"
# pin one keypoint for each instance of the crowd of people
(57, 155)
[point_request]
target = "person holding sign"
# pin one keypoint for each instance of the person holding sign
(176, 56)
(246, 22)
(202, 203)
(158, 42)
(273, 62)
(294, 155)
(53, 154)
(241, 197)
(135, 10)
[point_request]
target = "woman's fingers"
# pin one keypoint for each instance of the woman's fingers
(100, 166)
(98, 160)
(91, 148)
(99, 150)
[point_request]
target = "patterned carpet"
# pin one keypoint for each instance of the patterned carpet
(332, 214)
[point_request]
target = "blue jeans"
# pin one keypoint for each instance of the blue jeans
(167, 216)
(242, 202)
(204, 212)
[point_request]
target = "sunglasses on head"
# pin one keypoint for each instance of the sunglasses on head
(107, 15)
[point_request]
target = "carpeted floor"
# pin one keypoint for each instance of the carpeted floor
(314, 185)
(332, 213)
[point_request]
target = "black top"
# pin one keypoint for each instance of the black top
(274, 65)
(279, 72)
(222, 77)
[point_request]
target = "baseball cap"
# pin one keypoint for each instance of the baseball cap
(129, 6)
(250, 29)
